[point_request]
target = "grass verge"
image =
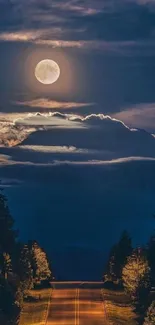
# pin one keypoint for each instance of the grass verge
(34, 310)
(118, 307)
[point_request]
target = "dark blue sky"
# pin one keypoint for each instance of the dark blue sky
(77, 158)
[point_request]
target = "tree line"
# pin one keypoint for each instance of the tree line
(22, 267)
(133, 269)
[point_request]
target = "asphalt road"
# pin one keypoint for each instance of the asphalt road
(76, 305)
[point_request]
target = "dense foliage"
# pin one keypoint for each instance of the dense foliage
(136, 277)
(150, 318)
(135, 269)
(21, 266)
(39, 262)
(7, 233)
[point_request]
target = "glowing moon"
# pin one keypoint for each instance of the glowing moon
(47, 72)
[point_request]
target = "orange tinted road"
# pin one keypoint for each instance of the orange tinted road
(91, 307)
(62, 307)
(76, 307)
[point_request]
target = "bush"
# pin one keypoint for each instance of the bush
(150, 318)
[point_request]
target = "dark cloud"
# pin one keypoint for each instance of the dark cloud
(109, 20)
(60, 137)
(132, 22)
(99, 133)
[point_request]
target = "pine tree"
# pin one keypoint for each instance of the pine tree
(7, 233)
(8, 306)
(23, 273)
(150, 318)
(7, 246)
(39, 262)
(136, 277)
(111, 273)
(5, 265)
(6, 296)
(118, 257)
(24, 269)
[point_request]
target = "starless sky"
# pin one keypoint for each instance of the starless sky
(81, 152)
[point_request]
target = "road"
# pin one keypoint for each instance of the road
(76, 305)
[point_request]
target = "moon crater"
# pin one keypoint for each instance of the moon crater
(47, 72)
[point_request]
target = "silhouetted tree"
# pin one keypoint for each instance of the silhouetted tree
(7, 233)
(7, 246)
(20, 266)
(24, 271)
(136, 278)
(118, 257)
(5, 264)
(8, 306)
(150, 318)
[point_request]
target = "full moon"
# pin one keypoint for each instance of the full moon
(47, 72)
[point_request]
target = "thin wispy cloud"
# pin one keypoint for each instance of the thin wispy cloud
(31, 35)
(8, 161)
(127, 48)
(21, 36)
(51, 104)
(55, 149)
(77, 7)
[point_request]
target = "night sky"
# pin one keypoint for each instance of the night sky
(77, 157)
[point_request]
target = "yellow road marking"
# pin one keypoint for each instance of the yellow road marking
(77, 308)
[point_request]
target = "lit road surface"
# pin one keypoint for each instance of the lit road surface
(76, 306)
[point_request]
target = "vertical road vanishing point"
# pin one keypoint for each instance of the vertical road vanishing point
(72, 304)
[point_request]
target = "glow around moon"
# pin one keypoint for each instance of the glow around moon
(47, 72)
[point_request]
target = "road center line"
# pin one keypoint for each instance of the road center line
(77, 307)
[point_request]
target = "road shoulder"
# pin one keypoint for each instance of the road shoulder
(118, 308)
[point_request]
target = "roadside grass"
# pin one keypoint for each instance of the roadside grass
(118, 307)
(35, 309)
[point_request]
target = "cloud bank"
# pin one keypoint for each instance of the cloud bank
(53, 137)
